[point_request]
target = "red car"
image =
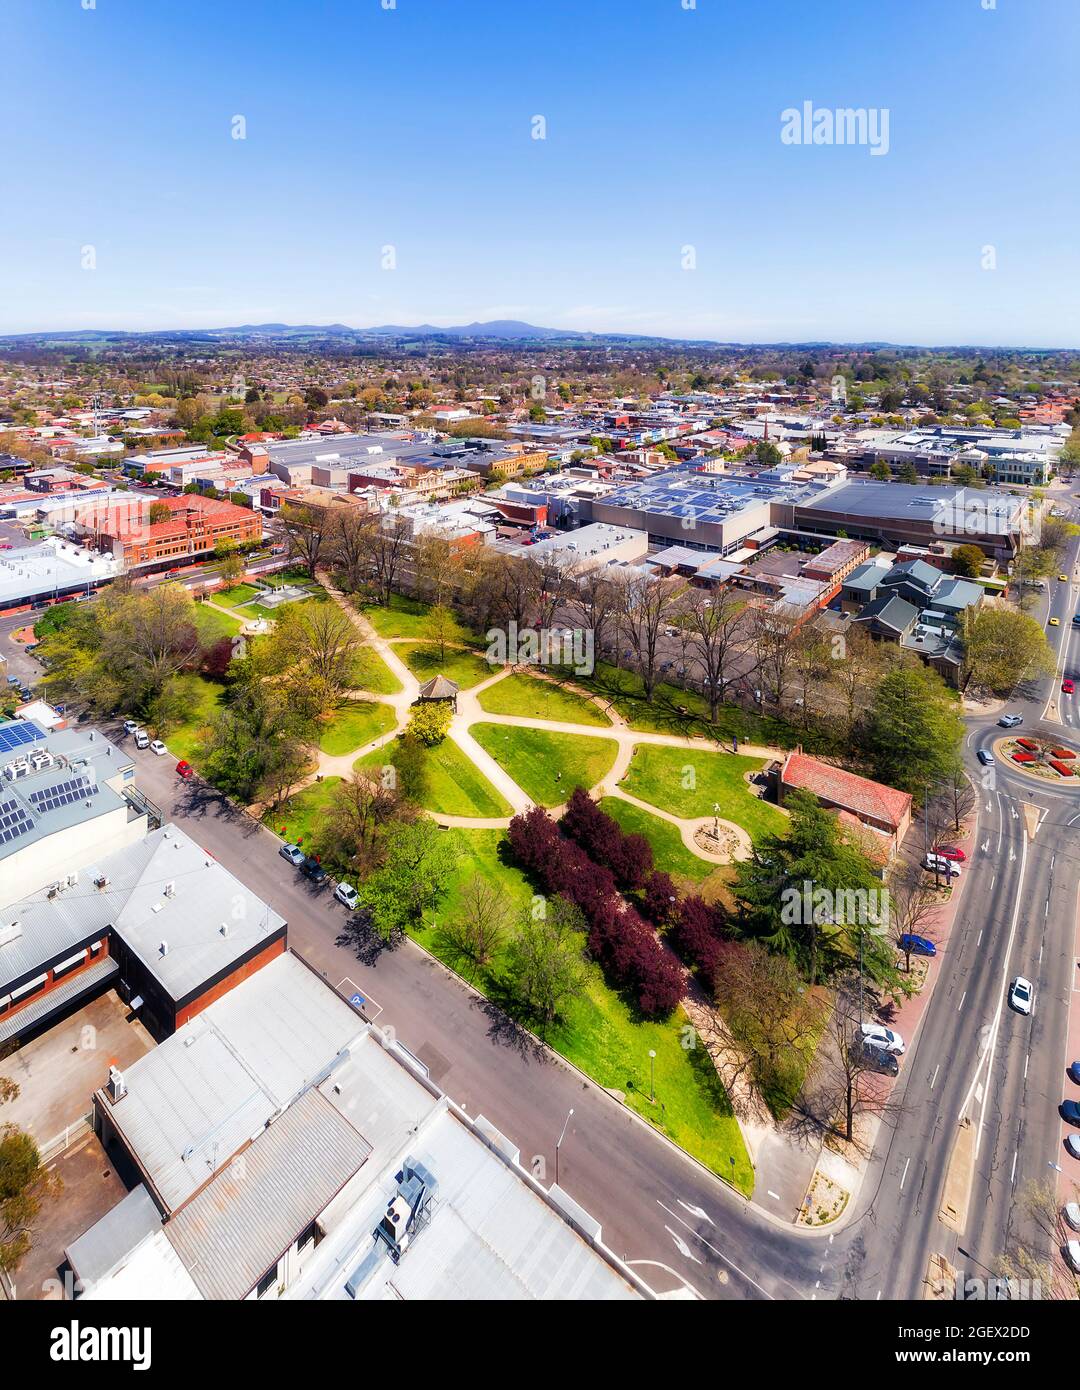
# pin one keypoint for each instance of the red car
(184, 769)
(1067, 687)
(950, 852)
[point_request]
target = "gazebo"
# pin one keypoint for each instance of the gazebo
(440, 688)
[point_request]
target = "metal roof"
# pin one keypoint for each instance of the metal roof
(97, 1252)
(232, 1232)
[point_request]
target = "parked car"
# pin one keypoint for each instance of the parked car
(1011, 721)
(917, 945)
(347, 895)
(142, 738)
(171, 574)
(986, 758)
(1074, 1072)
(879, 1058)
(938, 864)
(131, 726)
(884, 1037)
(1021, 995)
(14, 680)
(950, 852)
(1072, 1254)
(1067, 687)
(1072, 1143)
(293, 853)
(1070, 1112)
(184, 769)
(1071, 1212)
(312, 869)
(158, 747)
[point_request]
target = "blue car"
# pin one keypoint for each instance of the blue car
(918, 945)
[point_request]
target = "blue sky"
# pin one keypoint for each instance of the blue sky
(411, 127)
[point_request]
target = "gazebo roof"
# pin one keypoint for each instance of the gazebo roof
(439, 688)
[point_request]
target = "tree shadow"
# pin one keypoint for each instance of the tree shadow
(360, 936)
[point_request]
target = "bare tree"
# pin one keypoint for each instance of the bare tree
(959, 796)
(913, 897)
(307, 530)
(1039, 1256)
(646, 606)
(386, 542)
(776, 642)
(480, 927)
(848, 1083)
(856, 664)
(717, 629)
(594, 599)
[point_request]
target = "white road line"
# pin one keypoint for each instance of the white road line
(1027, 1059)
(934, 1077)
(773, 1194)
(978, 939)
(903, 1176)
(1012, 1175)
(961, 1003)
(719, 1253)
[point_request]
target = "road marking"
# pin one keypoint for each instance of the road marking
(696, 1211)
(1012, 1175)
(961, 1003)
(719, 1253)
(681, 1245)
(903, 1176)
(978, 939)
(1027, 1059)
(934, 1077)
(773, 1194)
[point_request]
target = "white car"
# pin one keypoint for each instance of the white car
(142, 738)
(1071, 1212)
(131, 726)
(938, 864)
(1021, 995)
(1072, 1254)
(884, 1037)
(347, 895)
(1072, 1143)
(1011, 721)
(158, 747)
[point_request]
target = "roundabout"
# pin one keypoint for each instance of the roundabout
(1040, 758)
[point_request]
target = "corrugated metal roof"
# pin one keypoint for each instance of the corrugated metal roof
(111, 1239)
(233, 1232)
(58, 998)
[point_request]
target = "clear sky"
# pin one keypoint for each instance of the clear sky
(412, 127)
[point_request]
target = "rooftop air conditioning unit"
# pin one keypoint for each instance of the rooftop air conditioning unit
(117, 1087)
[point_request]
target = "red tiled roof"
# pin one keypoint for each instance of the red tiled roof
(846, 789)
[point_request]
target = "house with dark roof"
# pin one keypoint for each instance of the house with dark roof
(888, 617)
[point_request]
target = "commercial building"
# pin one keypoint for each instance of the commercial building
(194, 526)
(287, 1149)
(54, 569)
(591, 547)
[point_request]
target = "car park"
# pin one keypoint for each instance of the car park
(1021, 995)
(312, 869)
(1070, 1112)
(1011, 721)
(884, 1037)
(950, 852)
(917, 945)
(184, 769)
(158, 747)
(986, 758)
(293, 853)
(347, 895)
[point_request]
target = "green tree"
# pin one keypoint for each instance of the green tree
(429, 722)
(914, 729)
(159, 511)
(969, 560)
(420, 859)
(546, 969)
(25, 1185)
(1002, 647)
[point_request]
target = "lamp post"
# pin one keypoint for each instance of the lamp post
(558, 1146)
(652, 1077)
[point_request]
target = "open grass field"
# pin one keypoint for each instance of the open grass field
(690, 783)
(211, 624)
(455, 786)
(370, 672)
(539, 699)
(465, 668)
(547, 766)
(354, 723)
(669, 853)
(601, 1034)
(408, 617)
(299, 818)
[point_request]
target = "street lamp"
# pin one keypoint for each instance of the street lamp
(558, 1146)
(652, 1077)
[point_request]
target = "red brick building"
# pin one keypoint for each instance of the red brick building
(195, 525)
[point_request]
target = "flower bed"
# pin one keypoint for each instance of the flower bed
(1065, 753)
(1023, 757)
(1029, 744)
(1063, 768)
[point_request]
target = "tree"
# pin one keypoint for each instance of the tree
(821, 929)
(646, 607)
(880, 470)
(420, 859)
(255, 747)
(429, 722)
(776, 642)
(25, 1186)
(481, 924)
(913, 898)
(914, 730)
(847, 1085)
(442, 627)
(1003, 647)
(159, 511)
(969, 560)
(545, 968)
(313, 651)
(1041, 1212)
(855, 668)
(718, 632)
(385, 540)
(306, 530)
(360, 809)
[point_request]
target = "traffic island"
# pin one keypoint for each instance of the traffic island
(1044, 759)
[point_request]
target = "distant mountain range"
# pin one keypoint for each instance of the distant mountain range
(493, 331)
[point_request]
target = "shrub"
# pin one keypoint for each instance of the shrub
(429, 721)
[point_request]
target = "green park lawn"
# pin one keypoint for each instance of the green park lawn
(464, 668)
(455, 786)
(670, 855)
(522, 694)
(370, 672)
(601, 1034)
(202, 699)
(689, 783)
(235, 597)
(211, 624)
(547, 766)
(408, 617)
(354, 723)
(299, 818)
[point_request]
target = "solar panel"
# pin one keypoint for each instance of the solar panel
(17, 734)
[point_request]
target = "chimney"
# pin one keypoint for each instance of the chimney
(117, 1087)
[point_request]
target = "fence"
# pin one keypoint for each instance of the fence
(64, 1140)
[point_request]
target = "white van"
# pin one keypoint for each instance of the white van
(142, 738)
